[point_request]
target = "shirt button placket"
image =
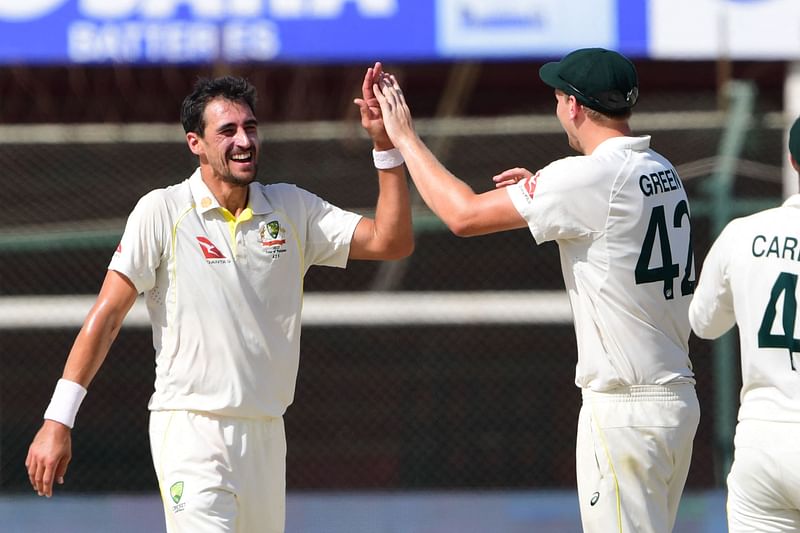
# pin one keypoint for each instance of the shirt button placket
(241, 248)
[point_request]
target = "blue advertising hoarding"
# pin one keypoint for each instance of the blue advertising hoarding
(294, 31)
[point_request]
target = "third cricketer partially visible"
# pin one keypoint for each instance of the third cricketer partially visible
(750, 278)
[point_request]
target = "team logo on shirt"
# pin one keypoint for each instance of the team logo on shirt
(272, 236)
(529, 185)
(210, 251)
(176, 493)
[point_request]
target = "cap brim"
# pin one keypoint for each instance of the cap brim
(549, 74)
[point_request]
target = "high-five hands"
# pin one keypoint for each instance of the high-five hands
(398, 123)
(396, 114)
(371, 118)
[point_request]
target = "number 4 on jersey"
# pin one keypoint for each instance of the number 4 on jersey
(786, 284)
(668, 270)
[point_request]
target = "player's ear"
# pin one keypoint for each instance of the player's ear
(193, 140)
(573, 106)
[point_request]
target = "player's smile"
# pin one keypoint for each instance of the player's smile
(241, 166)
(244, 158)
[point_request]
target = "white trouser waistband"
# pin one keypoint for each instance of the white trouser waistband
(638, 393)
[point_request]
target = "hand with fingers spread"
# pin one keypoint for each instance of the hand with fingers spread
(371, 118)
(48, 457)
(511, 176)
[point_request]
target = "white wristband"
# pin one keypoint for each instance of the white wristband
(387, 158)
(65, 402)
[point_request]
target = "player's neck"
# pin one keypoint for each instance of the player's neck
(597, 134)
(231, 196)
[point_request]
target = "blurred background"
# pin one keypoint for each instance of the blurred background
(436, 394)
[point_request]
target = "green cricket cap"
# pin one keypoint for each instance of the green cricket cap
(794, 140)
(600, 79)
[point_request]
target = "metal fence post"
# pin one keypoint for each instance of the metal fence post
(720, 191)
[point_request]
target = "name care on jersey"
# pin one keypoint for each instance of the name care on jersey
(750, 277)
(224, 294)
(621, 219)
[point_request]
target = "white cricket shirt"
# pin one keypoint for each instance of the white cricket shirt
(225, 295)
(621, 220)
(750, 277)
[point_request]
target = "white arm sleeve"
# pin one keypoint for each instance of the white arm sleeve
(711, 311)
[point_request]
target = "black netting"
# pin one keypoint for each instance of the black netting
(472, 406)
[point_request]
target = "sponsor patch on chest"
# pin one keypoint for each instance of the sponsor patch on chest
(210, 251)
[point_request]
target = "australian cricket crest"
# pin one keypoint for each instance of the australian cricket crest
(273, 237)
(176, 493)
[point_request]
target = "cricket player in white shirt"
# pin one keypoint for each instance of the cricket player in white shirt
(620, 217)
(221, 260)
(749, 278)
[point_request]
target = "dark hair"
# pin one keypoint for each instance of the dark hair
(206, 89)
(794, 140)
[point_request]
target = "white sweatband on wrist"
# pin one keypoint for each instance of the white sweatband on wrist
(65, 402)
(387, 158)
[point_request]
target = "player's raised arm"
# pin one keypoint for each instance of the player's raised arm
(453, 201)
(390, 234)
(51, 450)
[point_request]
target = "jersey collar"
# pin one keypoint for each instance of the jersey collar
(205, 201)
(257, 200)
(612, 144)
(201, 195)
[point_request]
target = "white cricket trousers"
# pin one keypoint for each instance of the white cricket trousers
(764, 482)
(219, 474)
(633, 453)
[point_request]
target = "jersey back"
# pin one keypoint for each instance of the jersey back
(750, 277)
(621, 219)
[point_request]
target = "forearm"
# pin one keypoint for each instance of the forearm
(393, 234)
(100, 328)
(89, 351)
(92, 345)
(446, 195)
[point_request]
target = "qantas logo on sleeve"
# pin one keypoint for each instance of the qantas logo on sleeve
(529, 185)
(209, 250)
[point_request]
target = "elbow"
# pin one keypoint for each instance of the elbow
(695, 325)
(462, 228)
(701, 328)
(408, 249)
(700, 334)
(703, 332)
(391, 250)
(400, 250)
(461, 231)
(463, 222)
